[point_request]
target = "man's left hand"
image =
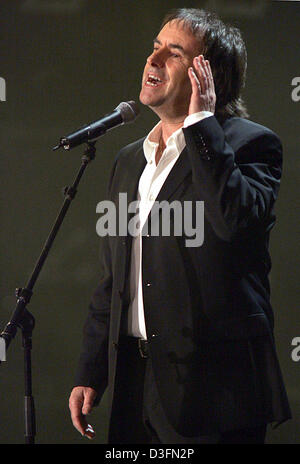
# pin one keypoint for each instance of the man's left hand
(203, 96)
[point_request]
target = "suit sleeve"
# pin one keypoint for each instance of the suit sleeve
(92, 370)
(238, 188)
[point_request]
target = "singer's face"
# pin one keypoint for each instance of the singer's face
(166, 87)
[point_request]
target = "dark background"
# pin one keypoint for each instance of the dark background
(67, 63)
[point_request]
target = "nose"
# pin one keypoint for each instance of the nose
(157, 58)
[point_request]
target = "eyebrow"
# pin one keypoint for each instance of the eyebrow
(171, 45)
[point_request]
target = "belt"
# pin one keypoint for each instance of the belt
(135, 344)
(143, 347)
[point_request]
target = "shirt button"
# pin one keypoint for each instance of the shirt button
(148, 284)
(151, 197)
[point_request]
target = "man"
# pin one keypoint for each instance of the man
(183, 335)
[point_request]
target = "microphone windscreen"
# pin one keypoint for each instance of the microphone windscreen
(129, 110)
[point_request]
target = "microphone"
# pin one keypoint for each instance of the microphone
(125, 112)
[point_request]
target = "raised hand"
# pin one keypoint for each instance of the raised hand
(203, 96)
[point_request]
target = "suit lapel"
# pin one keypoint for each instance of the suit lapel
(134, 169)
(128, 183)
(176, 176)
(138, 163)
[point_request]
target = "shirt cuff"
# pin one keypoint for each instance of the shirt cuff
(196, 117)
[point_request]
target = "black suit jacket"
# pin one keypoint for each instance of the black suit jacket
(207, 309)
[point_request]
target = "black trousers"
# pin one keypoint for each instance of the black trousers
(138, 417)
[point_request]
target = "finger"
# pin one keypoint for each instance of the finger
(88, 403)
(201, 72)
(196, 87)
(80, 424)
(79, 421)
(211, 78)
(205, 64)
(207, 72)
(75, 405)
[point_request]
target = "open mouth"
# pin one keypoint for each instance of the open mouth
(153, 80)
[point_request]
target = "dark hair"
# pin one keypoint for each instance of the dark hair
(225, 49)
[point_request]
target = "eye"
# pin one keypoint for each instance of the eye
(176, 56)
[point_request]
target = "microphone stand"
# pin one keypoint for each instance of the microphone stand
(21, 317)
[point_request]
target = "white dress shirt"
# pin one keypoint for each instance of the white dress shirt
(150, 183)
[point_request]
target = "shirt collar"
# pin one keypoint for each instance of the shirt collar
(176, 142)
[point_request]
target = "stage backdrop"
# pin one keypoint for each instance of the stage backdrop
(63, 64)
